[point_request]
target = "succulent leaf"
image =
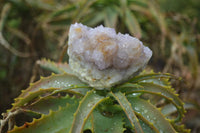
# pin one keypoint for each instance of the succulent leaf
(55, 121)
(169, 109)
(180, 128)
(85, 108)
(153, 115)
(126, 106)
(54, 67)
(97, 106)
(45, 104)
(150, 76)
(152, 88)
(107, 124)
(147, 127)
(51, 83)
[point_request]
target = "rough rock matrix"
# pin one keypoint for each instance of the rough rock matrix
(102, 58)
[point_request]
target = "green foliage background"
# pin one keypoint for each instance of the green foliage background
(39, 28)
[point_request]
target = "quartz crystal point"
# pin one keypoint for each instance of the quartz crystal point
(103, 58)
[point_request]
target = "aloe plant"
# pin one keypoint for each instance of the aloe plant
(98, 92)
(63, 103)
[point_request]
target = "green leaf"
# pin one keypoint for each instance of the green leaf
(147, 127)
(141, 9)
(181, 128)
(52, 83)
(40, 4)
(57, 121)
(94, 18)
(86, 106)
(132, 24)
(84, 6)
(110, 19)
(152, 114)
(60, 21)
(144, 77)
(21, 101)
(170, 109)
(126, 106)
(65, 10)
(45, 104)
(88, 124)
(106, 124)
(54, 67)
(152, 88)
(159, 16)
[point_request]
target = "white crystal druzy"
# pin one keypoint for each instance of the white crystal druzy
(102, 58)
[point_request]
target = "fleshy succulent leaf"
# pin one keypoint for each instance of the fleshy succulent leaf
(151, 113)
(151, 76)
(180, 128)
(51, 83)
(169, 109)
(54, 67)
(55, 121)
(126, 106)
(86, 106)
(88, 124)
(45, 104)
(152, 88)
(147, 126)
(107, 124)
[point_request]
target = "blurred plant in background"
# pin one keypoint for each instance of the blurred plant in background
(31, 29)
